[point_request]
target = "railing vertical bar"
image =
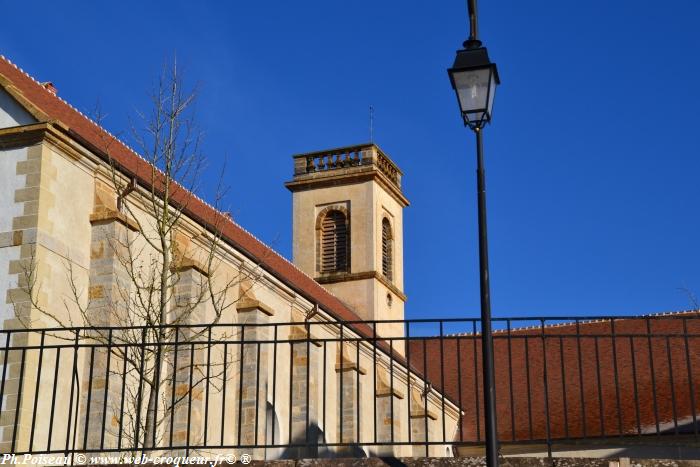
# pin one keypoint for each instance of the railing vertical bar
(72, 389)
(176, 347)
(323, 396)
(75, 419)
(274, 383)
(426, 390)
(291, 388)
(510, 381)
(104, 402)
(580, 377)
(240, 387)
(374, 380)
(477, 403)
(342, 380)
(257, 391)
(527, 380)
(653, 376)
(545, 380)
(408, 378)
(189, 400)
(53, 397)
(634, 385)
(206, 390)
(19, 399)
(155, 390)
(142, 346)
(391, 386)
(601, 410)
(4, 366)
(357, 390)
(673, 389)
(308, 388)
(224, 384)
(36, 391)
(563, 387)
(690, 378)
(8, 337)
(616, 375)
(89, 398)
(123, 397)
(442, 379)
(459, 385)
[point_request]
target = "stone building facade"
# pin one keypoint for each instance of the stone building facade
(308, 324)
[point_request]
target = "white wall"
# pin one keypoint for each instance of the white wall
(11, 113)
(9, 182)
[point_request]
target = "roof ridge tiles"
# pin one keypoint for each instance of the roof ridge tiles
(593, 320)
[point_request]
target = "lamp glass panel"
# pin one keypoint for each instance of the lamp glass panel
(472, 89)
(492, 93)
(476, 118)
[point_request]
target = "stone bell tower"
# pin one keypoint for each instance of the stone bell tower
(348, 228)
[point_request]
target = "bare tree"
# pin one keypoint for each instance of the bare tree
(692, 298)
(154, 308)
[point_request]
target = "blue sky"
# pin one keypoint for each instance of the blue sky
(593, 167)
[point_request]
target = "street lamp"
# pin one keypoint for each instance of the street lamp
(474, 79)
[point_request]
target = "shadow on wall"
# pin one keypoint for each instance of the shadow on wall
(314, 447)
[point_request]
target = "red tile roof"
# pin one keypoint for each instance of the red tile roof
(102, 142)
(628, 383)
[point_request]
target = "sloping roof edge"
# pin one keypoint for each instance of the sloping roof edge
(108, 146)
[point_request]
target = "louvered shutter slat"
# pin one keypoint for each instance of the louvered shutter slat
(334, 242)
(386, 249)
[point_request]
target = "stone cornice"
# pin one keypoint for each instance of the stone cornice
(107, 215)
(384, 391)
(53, 132)
(349, 176)
(421, 405)
(246, 305)
(24, 135)
(422, 413)
(301, 334)
(349, 365)
(185, 263)
(347, 358)
(358, 276)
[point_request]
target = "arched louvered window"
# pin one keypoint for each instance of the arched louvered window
(334, 242)
(387, 249)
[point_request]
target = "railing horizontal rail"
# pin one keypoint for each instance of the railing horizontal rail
(556, 321)
(476, 337)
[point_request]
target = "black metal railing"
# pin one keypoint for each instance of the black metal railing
(315, 389)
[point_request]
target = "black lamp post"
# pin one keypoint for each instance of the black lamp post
(474, 79)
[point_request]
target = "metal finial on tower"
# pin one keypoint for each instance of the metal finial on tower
(371, 124)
